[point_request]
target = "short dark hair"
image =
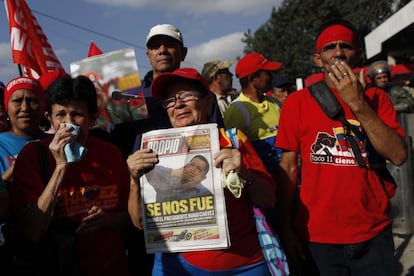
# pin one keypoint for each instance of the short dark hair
(66, 89)
(244, 82)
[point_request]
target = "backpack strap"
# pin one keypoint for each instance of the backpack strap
(244, 112)
(332, 108)
(326, 100)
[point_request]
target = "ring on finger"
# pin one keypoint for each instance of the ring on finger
(345, 74)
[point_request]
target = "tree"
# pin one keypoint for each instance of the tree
(289, 35)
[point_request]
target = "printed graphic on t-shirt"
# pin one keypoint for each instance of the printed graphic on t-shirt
(77, 201)
(335, 148)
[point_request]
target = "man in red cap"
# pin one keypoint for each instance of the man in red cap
(342, 214)
(252, 112)
(256, 114)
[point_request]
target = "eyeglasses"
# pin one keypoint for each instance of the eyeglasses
(184, 97)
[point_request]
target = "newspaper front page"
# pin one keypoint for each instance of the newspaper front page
(182, 195)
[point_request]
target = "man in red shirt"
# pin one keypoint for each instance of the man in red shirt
(342, 212)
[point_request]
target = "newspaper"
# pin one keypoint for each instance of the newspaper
(182, 195)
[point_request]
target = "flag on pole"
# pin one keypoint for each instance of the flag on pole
(94, 50)
(30, 47)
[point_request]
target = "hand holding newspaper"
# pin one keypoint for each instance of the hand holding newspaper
(182, 195)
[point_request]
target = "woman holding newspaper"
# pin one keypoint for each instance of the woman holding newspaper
(187, 100)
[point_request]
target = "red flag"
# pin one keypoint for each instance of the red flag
(30, 47)
(94, 50)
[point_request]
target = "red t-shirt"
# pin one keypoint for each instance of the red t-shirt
(245, 248)
(101, 178)
(339, 201)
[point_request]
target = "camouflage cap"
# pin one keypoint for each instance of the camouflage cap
(212, 67)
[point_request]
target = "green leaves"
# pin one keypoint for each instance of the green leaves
(289, 34)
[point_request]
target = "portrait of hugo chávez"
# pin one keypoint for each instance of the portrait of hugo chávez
(181, 183)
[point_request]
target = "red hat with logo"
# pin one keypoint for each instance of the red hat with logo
(253, 62)
(158, 87)
(23, 83)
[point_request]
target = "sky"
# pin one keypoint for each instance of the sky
(212, 29)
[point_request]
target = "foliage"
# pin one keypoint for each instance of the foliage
(289, 35)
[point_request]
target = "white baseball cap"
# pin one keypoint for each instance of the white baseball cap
(165, 29)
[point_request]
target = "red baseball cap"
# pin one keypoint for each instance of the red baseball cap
(254, 62)
(159, 83)
(23, 83)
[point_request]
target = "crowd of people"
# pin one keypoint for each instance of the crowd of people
(70, 201)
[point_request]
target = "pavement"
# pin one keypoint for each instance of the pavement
(404, 253)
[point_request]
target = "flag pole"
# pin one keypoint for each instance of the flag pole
(20, 70)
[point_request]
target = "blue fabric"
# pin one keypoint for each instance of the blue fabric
(10, 146)
(269, 241)
(267, 151)
(173, 264)
(74, 152)
(272, 250)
